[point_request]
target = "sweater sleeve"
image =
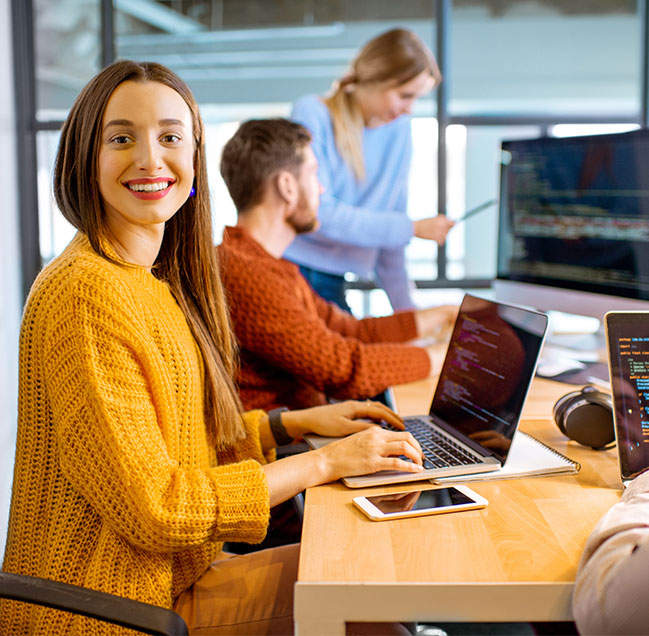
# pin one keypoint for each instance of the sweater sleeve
(397, 327)
(250, 447)
(272, 322)
(112, 404)
(339, 220)
(611, 594)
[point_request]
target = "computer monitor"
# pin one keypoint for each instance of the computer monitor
(574, 223)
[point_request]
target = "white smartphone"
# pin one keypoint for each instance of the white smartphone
(414, 503)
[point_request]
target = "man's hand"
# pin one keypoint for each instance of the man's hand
(436, 322)
(436, 354)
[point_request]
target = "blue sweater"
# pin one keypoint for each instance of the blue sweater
(364, 227)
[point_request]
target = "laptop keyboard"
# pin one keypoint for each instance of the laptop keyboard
(439, 451)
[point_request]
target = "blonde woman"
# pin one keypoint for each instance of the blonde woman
(362, 141)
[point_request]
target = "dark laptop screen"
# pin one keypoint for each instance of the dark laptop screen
(488, 370)
(627, 334)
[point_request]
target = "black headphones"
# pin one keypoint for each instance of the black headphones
(587, 417)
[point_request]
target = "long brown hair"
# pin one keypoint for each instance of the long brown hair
(187, 260)
(396, 56)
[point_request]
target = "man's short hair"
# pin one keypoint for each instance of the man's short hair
(257, 151)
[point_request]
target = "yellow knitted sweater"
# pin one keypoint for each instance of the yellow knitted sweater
(117, 486)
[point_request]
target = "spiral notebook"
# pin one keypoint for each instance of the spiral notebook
(528, 457)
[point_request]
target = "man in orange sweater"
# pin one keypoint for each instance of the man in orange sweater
(297, 349)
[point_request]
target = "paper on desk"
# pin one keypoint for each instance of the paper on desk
(528, 457)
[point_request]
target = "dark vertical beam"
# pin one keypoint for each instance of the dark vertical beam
(643, 10)
(443, 21)
(107, 33)
(22, 22)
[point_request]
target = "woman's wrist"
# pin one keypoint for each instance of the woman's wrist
(299, 422)
(275, 421)
(323, 466)
(293, 423)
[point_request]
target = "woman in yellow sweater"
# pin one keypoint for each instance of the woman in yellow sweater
(134, 462)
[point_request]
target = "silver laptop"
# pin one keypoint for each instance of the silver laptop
(487, 372)
(627, 344)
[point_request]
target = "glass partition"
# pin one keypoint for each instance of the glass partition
(55, 231)
(575, 56)
(67, 53)
(244, 52)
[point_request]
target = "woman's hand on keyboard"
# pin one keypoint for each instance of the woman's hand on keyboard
(340, 419)
(370, 451)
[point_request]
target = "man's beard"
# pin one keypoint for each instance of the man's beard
(298, 219)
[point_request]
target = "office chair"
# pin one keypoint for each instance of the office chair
(149, 619)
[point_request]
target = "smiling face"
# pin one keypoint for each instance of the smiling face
(145, 162)
(381, 103)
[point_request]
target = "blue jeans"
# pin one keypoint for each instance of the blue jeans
(331, 287)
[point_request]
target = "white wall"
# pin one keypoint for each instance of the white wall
(10, 295)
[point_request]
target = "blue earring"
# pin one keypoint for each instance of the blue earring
(192, 192)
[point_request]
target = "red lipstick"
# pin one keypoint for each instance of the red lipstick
(148, 192)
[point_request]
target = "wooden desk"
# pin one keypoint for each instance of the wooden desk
(515, 560)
